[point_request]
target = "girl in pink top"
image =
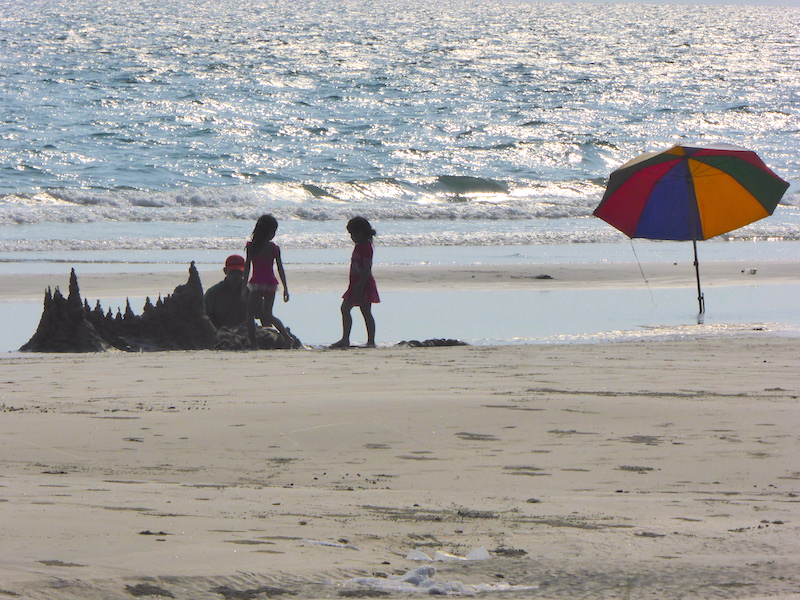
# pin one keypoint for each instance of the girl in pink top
(262, 252)
(362, 291)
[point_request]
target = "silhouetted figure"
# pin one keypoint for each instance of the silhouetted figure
(223, 301)
(362, 291)
(262, 254)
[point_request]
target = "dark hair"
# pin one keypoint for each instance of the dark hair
(360, 225)
(265, 229)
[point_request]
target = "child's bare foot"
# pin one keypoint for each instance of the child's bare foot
(341, 344)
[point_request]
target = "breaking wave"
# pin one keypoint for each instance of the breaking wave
(441, 198)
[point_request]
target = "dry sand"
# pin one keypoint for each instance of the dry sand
(640, 470)
(634, 470)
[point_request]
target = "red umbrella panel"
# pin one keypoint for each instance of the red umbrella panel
(690, 193)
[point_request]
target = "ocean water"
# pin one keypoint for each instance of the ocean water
(449, 123)
(157, 134)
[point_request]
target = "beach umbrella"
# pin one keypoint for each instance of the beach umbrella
(690, 193)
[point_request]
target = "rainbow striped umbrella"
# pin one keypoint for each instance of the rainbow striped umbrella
(690, 193)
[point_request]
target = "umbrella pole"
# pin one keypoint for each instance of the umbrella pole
(700, 300)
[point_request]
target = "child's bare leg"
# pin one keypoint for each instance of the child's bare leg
(287, 337)
(369, 321)
(347, 326)
(261, 314)
(253, 302)
(270, 319)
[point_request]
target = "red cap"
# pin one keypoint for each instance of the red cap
(234, 263)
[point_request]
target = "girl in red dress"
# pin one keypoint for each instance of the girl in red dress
(362, 291)
(262, 252)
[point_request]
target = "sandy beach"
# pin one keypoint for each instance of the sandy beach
(651, 469)
(588, 421)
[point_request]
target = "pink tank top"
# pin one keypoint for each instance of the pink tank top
(263, 271)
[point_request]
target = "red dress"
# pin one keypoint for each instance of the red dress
(361, 260)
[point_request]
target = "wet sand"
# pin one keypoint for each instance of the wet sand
(332, 278)
(479, 303)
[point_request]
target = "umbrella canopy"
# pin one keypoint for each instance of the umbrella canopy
(690, 193)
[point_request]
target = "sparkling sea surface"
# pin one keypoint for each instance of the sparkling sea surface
(472, 123)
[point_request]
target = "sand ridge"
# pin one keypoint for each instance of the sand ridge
(333, 278)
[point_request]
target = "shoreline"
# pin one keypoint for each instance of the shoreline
(582, 470)
(481, 304)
